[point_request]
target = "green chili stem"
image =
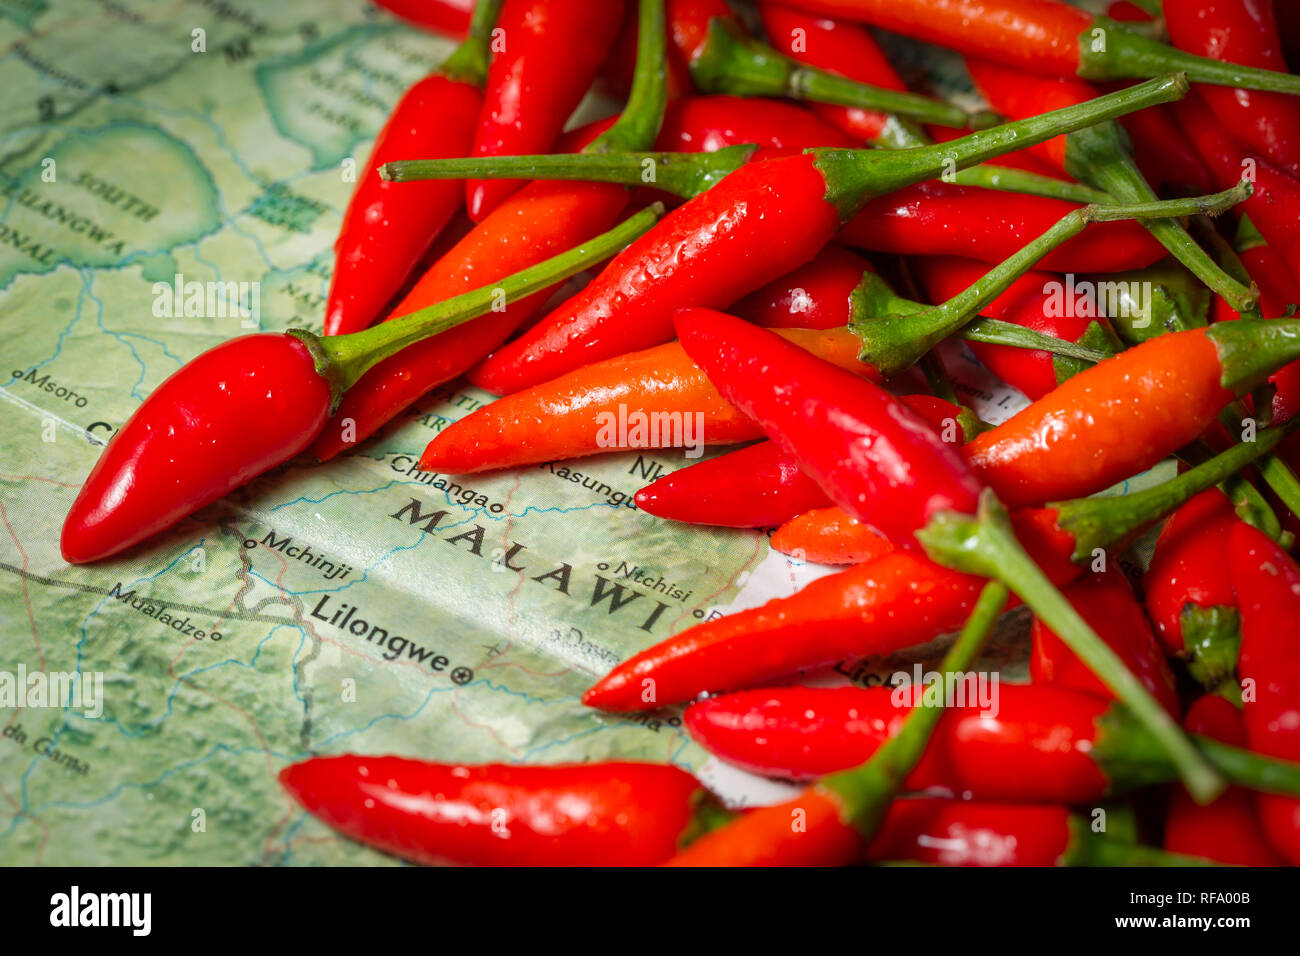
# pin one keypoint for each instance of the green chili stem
(986, 545)
(733, 62)
(1105, 522)
(638, 125)
(1007, 179)
(1247, 500)
(873, 299)
(854, 177)
(468, 63)
(1087, 848)
(866, 791)
(343, 359)
(682, 174)
(896, 342)
(1125, 55)
(1098, 156)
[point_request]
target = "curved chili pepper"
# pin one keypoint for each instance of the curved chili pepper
(1274, 207)
(1048, 37)
(542, 65)
(386, 228)
(884, 605)
(256, 401)
(1226, 830)
(1098, 156)
(535, 222)
(1030, 303)
(759, 222)
(762, 485)
(937, 218)
(867, 450)
(1267, 583)
(895, 601)
(1188, 596)
(591, 814)
(965, 833)
(572, 415)
(1245, 32)
(1042, 744)
(1127, 413)
(1105, 600)
(723, 58)
(448, 17)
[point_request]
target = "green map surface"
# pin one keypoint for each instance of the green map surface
(128, 157)
(227, 166)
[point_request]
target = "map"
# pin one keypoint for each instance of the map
(148, 145)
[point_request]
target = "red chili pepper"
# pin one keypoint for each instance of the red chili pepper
(1245, 32)
(960, 833)
(1048, 37)
(1188, 596)
(814, 296)
(867, 450)
(1274, 207)
(256, 401)
(545, 55)
(580, 410)
(893, 602)
(759, 222)
(1105, 600)
(963, 833)
(1127, 413)
(216, 423)
(387, 228)
(1035, 301)
(1028, 743)
(594, 814)
(762, 485)
(937, 218)
(1226, 830)
(884, 605)
(1267, 583)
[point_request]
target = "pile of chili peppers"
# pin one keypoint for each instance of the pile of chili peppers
(832, 237)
